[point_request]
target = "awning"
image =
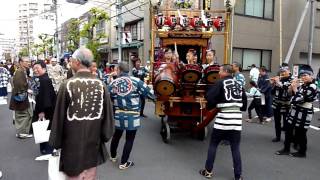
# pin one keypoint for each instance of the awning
(133, 44)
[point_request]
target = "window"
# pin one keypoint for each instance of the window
(134, 31)
(317, 19)
(100, 28)
(255, 8)
(247, 57)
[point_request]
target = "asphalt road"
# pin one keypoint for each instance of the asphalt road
(179, 160)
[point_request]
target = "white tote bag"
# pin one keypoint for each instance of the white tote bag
(40, 132)
(53, 169)
(263, 99)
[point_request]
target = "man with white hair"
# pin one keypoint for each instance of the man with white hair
(82, 121)
(56, 73)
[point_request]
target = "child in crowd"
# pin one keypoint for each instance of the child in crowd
(256, 102)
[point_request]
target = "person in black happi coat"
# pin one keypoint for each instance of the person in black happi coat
(301, 112)
(83, 120)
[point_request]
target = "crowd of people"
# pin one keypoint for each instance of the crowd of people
(75, 101)
(82, 98)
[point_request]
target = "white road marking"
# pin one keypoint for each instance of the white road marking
(315, 128)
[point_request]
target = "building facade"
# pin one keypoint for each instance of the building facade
(256, 33)
(133, 33)
(32, 15)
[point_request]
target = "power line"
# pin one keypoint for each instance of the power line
(131, 12)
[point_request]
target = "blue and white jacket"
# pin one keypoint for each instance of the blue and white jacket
(125, 92)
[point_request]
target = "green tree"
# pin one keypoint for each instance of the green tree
(46, 44)
(23, 52)
(36, 50)
(96, 15)
(73, 36)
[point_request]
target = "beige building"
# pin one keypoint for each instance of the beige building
(256, 34)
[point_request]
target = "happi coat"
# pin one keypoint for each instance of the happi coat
(82, 123)
(125, 92)
(301, 112)
(228, 95)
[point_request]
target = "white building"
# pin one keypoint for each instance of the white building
(35, 17)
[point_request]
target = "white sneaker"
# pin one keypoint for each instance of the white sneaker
(0, 174)
(126, 165)
(248, 120)
(24, 136)
(268, 119)
(113, 159)
(43, 157)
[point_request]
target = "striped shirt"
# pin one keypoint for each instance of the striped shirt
(229, 118)
(229, 96)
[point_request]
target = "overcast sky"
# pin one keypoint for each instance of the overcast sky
(9, 13)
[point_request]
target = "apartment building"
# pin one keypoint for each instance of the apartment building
(32, 15)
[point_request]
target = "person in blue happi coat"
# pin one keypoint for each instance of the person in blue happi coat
(125, 93)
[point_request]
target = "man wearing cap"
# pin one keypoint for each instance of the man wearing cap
(56, 73)
(301, 112)
(281, 99)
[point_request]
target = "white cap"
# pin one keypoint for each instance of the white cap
(53, 60)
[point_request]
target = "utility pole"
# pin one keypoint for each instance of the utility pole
(55, 4)
(296, 34)
(280, 26)
(119, 19)
(311, 30)
(28, 36)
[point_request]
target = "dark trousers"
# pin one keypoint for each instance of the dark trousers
(143, 103)
(256, 104)
(45, 148)
(130, 136)
(277, 121)
(267, 108)
(300, 137)
(233, 137)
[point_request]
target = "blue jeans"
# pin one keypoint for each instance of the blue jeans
(233, 137)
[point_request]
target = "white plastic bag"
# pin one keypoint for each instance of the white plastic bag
(263, 99)
(53, 169)
(3, 101)
(40, 132)
(9, 88)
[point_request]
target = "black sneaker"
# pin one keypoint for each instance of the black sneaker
(206, 173)
(296, 147)
(276, 140)
(240, 178)
(143, 115)
(126, 165)
(297, 154)
(282, 152)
